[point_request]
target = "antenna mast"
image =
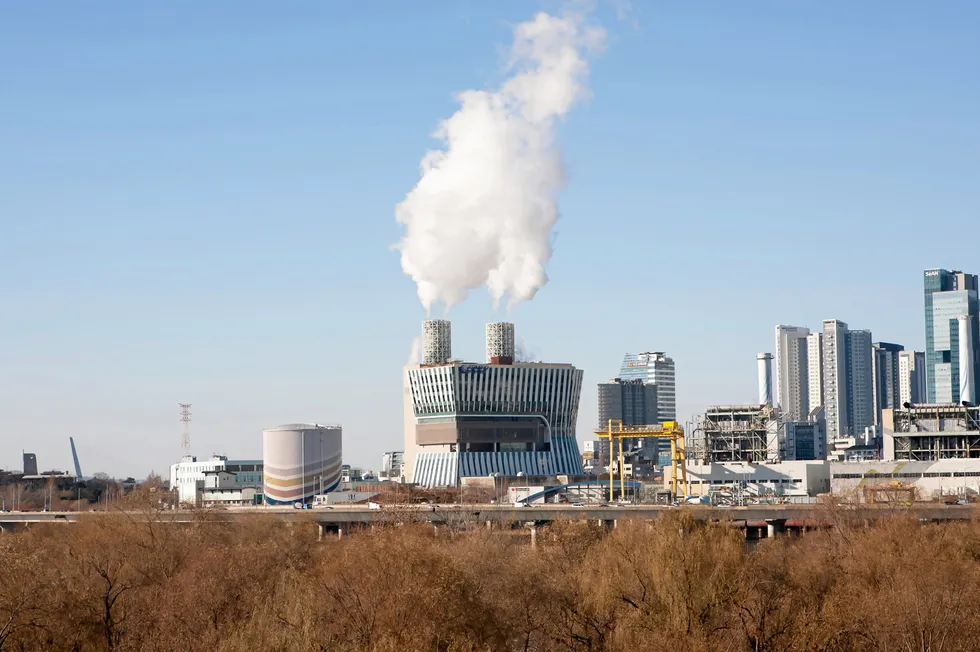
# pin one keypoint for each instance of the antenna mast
(185, 418)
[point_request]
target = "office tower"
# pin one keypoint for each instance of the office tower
(911, 377)
(30, 464)
(814, 361)
(764, 364)
(848, 392)
(792, 393)
(835, 403)
(948, 295)
(633, 402)
(886, 374)
(654, 368)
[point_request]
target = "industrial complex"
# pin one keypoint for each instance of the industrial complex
(840, 415)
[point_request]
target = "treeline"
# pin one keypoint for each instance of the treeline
(672, 585)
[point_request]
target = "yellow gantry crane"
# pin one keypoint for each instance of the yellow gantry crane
(670, 430)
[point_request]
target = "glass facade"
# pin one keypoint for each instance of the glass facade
(654, 368)
(634, 402)
(948, 295)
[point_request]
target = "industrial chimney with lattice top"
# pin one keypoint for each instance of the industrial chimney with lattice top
(500, 343)
(437, 342)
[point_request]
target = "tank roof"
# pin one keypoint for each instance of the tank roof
(307, 426)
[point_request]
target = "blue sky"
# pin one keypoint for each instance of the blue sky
(197, 203)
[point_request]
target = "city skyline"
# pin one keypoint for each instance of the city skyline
(200, 206)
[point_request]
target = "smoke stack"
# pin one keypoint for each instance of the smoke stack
(967, 380)
(764, 361)
(437, 341)
(500, 343)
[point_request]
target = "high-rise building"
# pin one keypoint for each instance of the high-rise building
(948, 295)
(911, 377)
(30, 464)
(654, 368)
(814, 362)
(835, 397)
(633, 402)
(792, 379)
(848, 380)
(860, 382)
(886, 371)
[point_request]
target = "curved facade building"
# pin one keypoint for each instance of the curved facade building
(301, 460)
(472, 420)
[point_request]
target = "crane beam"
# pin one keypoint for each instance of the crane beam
(669, 430)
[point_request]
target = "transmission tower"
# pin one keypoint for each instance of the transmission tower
(185, 418)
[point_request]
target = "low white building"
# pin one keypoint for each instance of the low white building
(187, 477)
(392, 467)
(220, 490)
(521, 494)
(796, 478)
(932, 480)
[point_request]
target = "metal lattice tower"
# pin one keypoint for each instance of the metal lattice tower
(185, 418)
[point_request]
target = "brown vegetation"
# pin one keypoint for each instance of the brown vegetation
(116, 583)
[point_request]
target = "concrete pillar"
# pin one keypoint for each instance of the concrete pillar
(340, 532)
(534, 536)
(489, 525)
(319, 531)
(770, 530)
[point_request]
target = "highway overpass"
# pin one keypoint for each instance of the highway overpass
(344, 517)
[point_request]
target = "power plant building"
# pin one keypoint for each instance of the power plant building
(467, 419)
(301, 460)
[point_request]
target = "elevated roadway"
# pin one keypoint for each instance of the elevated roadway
(446, 514)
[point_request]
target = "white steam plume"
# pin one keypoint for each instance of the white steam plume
(415, 351)
(484, 208)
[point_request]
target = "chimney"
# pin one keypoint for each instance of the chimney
(500, 343)
(437, 341)
(764, 362)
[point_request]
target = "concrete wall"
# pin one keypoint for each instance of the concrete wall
(931, 479)
(799, 478)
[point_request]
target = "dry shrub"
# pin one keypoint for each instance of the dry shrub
(123, 583)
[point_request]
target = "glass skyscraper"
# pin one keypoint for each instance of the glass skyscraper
(948, 295)
(634, 402)
(654, 368)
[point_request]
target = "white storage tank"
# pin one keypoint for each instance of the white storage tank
(301, 460)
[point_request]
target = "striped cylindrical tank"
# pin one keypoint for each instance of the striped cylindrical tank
(301, 460)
